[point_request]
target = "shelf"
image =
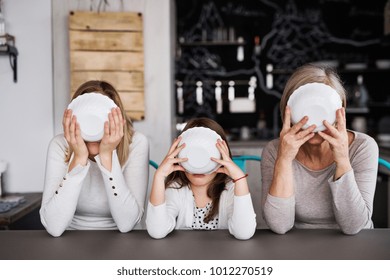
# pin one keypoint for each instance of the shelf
(338, 70)
(352, 110)
(224, 82)
(211, 43)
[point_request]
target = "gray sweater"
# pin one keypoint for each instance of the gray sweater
(318, 201)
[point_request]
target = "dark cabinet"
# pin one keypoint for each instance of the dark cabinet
(233, 58)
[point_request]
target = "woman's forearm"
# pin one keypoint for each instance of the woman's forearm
(282, 182)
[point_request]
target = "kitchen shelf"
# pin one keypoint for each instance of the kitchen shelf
(352, 110)
(211, 43)
(338, 70)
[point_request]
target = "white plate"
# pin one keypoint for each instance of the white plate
(91, 110)
(317, 101)
(200, 147)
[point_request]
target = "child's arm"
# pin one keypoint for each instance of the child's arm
(242, 223)
(161, 216)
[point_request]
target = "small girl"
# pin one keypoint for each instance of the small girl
(219, 200)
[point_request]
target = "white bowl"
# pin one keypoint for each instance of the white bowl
(91, 110)
(317, 101)
(200, 147)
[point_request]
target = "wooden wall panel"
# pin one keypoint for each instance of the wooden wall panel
(123, 81)
(106, 61)
(133, 100)
(109, 46)
(113, 41)
(109, 21)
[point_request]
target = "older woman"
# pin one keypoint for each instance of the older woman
(322, 179)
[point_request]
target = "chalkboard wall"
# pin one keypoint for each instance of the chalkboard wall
(246, 40)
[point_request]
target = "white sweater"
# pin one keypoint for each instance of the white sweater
(90, 197)
(235, 213)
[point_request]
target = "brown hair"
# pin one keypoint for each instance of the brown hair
(311, 73)
(217, 186)
(105, 88)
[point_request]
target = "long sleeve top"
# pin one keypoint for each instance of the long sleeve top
(318, 200)
(91, 197)
(235, 213)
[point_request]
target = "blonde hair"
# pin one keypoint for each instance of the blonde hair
(105, 88)
(311, 73)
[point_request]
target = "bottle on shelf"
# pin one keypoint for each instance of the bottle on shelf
(269, 80)
(262, 126)
(179, 95)
(257, 49)
(218, 97)
(199, 93)
(387, 18)
(360, 94)
(240, 50)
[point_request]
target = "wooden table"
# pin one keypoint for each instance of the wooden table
(33, 201)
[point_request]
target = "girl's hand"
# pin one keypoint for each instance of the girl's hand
(339, 142)
(228, 167)
(170, 162)
(113, 132)
(231, 169)
(167, 166)
(293, 137)
(73, 137)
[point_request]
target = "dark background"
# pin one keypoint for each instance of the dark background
(291, 33)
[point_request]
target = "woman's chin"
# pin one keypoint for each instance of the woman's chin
(316, 140)
(93, 148)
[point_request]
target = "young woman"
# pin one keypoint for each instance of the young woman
(219, 200)
(318, 180)
(95, 185)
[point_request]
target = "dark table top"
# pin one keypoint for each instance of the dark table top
(195, 245)
(33, 201)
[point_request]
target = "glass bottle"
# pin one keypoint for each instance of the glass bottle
(360, 93)
(387, 18)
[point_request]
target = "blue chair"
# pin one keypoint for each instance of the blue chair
(153, 163)
(241, 160)
(384, 163)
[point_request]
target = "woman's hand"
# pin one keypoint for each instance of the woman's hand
(170, 162)
(293, 137)
(339, 143)
(113, 132)
(73, 137)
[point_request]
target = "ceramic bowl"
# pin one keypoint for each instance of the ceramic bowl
(317, 101)
(200, 147)
(91, 110)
